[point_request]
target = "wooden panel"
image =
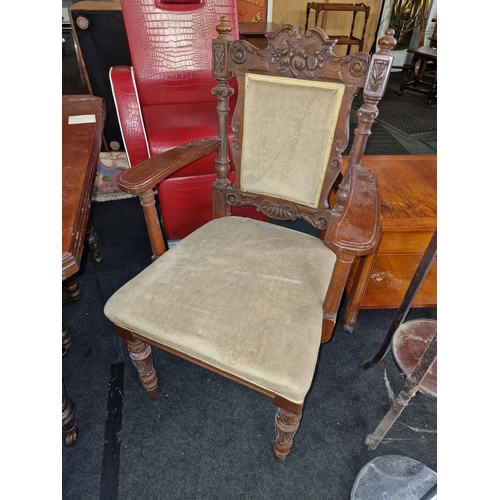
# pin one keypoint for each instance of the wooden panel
(390, 279)
(414, 242)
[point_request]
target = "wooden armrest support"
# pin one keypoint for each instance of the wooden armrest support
(149, 173)
(356, 232)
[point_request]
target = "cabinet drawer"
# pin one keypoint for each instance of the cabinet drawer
(390, 279)
(409, 243)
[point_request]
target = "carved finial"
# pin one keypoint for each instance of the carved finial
(387, 42)
(223, 27)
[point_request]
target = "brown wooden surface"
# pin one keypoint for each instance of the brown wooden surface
(80, 152)
(256, 28)
(255, 33)
(408, 197)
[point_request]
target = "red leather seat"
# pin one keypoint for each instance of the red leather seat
(165, 100)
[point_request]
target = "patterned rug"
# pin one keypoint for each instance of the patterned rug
(110, 165)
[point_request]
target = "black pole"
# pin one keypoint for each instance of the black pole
(379, 22)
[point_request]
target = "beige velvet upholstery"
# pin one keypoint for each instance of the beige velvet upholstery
(288, 133)
(226, 284)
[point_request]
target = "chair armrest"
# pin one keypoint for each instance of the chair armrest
(356, 232)
(149, 173)
(129, 113)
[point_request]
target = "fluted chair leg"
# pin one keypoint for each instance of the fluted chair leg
(142, 357)
(287, 423)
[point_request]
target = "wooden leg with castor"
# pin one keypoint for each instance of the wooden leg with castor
(66, 340)
(287, 421)
(70, 286)
(91, 240)
(142, 357)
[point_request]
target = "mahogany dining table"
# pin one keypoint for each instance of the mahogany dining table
(83, 118)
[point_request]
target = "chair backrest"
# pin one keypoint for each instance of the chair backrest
(170, 42)
(291, 122)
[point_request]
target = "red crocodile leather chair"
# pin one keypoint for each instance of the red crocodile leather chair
(165, 100)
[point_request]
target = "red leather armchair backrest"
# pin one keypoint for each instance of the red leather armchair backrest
(171, 47)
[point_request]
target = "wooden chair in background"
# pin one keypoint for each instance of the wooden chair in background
(247, 299)
(349, 40)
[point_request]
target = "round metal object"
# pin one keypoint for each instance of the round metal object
(82, 22)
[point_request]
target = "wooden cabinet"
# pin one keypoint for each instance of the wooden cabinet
(255, 33)
(408, 201)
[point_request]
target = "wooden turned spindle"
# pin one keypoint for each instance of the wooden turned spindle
(148, 203)
(287, 423)
(142, 358)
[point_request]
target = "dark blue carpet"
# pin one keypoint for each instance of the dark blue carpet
(205, 437)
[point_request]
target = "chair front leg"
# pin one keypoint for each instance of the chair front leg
(142, 357)
(287, 420)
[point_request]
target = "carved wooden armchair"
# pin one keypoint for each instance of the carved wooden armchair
(248, 299)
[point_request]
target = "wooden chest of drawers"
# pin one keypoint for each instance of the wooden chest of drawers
(408, 196)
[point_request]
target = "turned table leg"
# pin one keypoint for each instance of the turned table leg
(66, 340)
(69, 424)
(91, 239)
(70, 286)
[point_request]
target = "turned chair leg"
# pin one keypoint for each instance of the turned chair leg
(287, 422)
(142, 357)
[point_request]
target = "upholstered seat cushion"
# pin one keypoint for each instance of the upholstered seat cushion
(241, 295)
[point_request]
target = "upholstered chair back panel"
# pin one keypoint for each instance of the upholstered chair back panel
(287, 136)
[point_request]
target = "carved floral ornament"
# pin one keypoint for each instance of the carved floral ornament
(278, 210)
(377, 77)
(310, 55)
(219, 59)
